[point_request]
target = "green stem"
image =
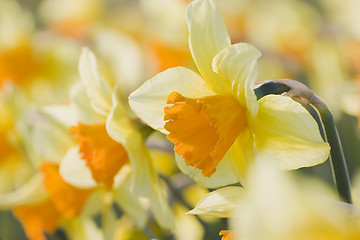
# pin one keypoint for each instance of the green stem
(307, 97)
(338, 162)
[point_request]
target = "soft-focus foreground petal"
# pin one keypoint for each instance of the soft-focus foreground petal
(207, 36)
(219, 203)
(237, 63)
(30, 193)
(74, 171)
(222, 177)
(275, 207)
(284, 130)
(83, 228)
(149, 100)
(98, 90)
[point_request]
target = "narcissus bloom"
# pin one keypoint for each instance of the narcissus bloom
(275, 207)
(110, 149)
(215, 119)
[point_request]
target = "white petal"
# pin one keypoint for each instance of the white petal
(219, 203)
(74, 171)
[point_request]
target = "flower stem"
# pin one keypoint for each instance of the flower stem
(307, 97)
(107, 218)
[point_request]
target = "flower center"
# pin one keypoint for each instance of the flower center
(203, 129)
(102, 154)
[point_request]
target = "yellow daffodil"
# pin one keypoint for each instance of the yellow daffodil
(110, 149)
(46, 201)
(274, 206)
(215, 119)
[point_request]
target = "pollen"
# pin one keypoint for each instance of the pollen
(203, 129)
(37, 219)
(67, 199)
(102, 154)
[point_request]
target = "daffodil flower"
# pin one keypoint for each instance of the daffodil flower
(110, 149)
(215, 119)
(274, 206)
(46, 201)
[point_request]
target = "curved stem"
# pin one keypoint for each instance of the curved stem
(307, 97)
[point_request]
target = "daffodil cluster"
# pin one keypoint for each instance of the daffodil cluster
(134, 120)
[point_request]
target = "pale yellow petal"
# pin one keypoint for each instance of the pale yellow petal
(130, 204)
(237, 64)
(81, 107)
(160, 206)
(31, 192)
(74, 171)
(283, 129)
(223, 175)
(149, 100)
(219, 203)
(242, 155)
(50, 137)
(98, 90)
(207, 37)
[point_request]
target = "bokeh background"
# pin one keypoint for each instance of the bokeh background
(316, 42)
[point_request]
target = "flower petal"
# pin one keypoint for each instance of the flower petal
(237, 63)
(149, 100)
(283, 129)
(30, 193)
(50, 136)
(98, 90)
(242, 155)
(219, 203)
(130, 204)
(207, 36)
(223, 175)
(74, 171)
(81, 106)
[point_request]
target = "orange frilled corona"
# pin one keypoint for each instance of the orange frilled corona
(67, 199)
(37, 219)
(203, 129)
(102, 154)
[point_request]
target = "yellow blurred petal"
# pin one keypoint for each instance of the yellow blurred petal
(98, 90)
(130, 204)
(283, 129)
(30, 193)
(74, 171)
(223, 175)
(242, 154)
(149, 100)
(219, 203)
(83, 228)
(80, 104)
(50, 137)
(237, 64)
(160, 206)
(208, 36)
